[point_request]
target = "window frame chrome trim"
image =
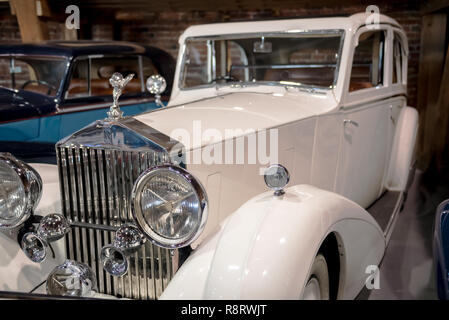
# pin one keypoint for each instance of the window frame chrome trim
(287, 33)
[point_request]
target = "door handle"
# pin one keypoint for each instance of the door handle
(349, 121)
(391, 115)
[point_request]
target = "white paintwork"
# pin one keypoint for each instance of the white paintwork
(402, 156)
(264, 247)
(243, 109)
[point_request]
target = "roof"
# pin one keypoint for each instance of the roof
(74, 48)
(349, 23)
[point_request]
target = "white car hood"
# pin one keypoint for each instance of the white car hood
(235, 111)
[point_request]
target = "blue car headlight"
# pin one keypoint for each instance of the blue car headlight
(20, 191)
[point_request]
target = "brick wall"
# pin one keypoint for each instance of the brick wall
(9, 30)
(163, 29)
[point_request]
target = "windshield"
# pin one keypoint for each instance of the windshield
(304, 59)
(38, 74)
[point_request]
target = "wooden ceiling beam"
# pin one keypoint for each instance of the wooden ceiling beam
(225, 5)
(431, 6)
(32, 28)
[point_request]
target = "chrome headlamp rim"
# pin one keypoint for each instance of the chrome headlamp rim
(32, 184)
(139, 218)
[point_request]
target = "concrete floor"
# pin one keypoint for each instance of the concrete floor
(407, 269)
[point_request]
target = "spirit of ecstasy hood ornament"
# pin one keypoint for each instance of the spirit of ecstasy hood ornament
(118, 83)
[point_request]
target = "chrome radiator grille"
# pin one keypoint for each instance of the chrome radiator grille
(95, 188)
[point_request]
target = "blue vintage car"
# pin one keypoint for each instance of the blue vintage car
(441, 249)
(50, 90)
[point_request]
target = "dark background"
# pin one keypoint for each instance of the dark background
(159, 23)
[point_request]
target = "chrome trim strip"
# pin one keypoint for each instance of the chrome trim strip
(285, 66)
(157, 137)
(93, 226)
(285, 34)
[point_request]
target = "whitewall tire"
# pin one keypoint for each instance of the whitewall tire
(317, 287)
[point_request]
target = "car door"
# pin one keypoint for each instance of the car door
(365, 119)
(89, 95)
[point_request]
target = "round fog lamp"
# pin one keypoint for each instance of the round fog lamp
(73, 279)
(169, 206)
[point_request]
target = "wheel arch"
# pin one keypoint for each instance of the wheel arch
(271, 242)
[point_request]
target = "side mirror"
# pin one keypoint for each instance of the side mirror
(156, 84)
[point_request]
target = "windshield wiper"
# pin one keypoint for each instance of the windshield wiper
(227, 78)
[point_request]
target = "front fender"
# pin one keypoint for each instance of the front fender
(266, 248)
(17, 272)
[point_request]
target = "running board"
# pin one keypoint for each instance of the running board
(385, 210)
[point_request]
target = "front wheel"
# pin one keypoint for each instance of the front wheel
(317, 287)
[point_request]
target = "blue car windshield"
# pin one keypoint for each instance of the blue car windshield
(40, 74)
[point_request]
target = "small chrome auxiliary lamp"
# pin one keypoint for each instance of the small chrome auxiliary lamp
(276, 178)
(114, 257)
(34, 241)
(156, 85)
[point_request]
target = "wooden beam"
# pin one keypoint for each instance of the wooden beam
(133, 15)
(431, 62)
(69, 34)
(442, 126)
(32, 29)
(432, 6)
(224, 5)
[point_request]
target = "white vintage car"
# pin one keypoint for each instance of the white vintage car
(175, 204)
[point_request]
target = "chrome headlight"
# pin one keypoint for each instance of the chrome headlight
(20, 191)
(169, 206)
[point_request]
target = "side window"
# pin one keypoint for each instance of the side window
(315, 63)
(196, 64)
(397, 59)
(91, 76)
(5, 75)
(237, 57)
(79, 83)
(102, 69)
(17, 73)
(368, 63)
